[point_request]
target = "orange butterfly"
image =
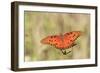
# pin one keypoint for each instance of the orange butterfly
(62, 42)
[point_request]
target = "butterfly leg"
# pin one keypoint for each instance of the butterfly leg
(70, 47)
(63, 51)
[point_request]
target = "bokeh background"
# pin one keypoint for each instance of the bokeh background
(38, 25)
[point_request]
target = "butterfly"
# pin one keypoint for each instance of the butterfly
(62, 42)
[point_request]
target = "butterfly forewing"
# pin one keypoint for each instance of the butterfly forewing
(69, 38)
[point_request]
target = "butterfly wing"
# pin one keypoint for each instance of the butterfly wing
(70, 37)
(53, 40)
(62, 42)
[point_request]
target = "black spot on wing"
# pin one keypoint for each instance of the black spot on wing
(70, 40)
(70, 32)
(53, 36)
(74, 35)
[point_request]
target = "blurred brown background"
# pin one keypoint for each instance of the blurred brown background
(41, 24)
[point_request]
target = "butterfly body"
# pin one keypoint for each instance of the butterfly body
(62, 41)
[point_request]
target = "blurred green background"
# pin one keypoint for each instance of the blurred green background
(38, 25)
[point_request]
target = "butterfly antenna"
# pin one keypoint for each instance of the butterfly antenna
(68, 52)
